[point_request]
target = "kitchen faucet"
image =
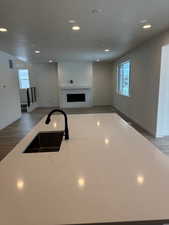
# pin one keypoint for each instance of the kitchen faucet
(48, 119)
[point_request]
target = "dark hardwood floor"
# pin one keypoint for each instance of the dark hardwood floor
(12, 134)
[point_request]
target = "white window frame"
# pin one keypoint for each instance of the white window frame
(118, 89)
(20, 83)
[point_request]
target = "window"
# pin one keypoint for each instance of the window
(24, 79)
(123, 72)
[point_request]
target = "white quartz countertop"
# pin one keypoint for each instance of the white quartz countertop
(106, 172)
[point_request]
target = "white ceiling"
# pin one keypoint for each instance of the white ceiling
(43, 24)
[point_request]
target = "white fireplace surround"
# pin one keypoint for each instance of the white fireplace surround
(65, 90)
(81, 75)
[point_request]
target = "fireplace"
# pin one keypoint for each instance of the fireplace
(76, 97)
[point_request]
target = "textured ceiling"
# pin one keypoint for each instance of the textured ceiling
(43, 24)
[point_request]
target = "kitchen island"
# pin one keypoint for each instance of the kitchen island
(106, 173)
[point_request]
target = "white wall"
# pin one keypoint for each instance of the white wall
(102, 83)
(45, 78)
(142, 106)
(80, 72)
(9, 96)
(82, 75)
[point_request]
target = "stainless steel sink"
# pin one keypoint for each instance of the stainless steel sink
(46, 142)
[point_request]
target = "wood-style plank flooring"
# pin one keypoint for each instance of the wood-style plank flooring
(12, 134)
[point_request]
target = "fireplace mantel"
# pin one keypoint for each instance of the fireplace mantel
(74, 87)
(65, 91)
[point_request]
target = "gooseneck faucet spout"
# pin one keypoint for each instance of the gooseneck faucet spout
(48, 119)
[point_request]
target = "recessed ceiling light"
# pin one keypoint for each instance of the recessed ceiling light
(50, 61)
(3, 29)
(147, 26)
(37, 51)
(76, 28)
(107, 50)
(72, 21)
